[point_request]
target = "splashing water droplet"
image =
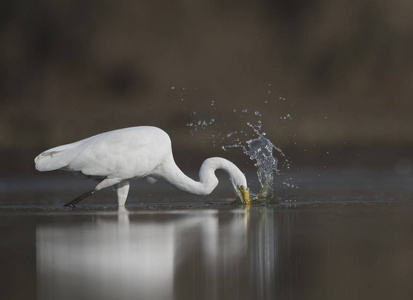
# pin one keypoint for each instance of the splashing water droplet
(261, 150)
(269, 160)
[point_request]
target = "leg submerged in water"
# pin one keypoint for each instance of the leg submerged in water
(122, 191)
(80, 198)
(104, 184)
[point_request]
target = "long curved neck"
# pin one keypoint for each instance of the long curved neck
(171, 173)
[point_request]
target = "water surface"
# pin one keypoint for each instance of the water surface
(348, 241)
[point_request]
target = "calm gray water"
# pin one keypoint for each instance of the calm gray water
(341, 235)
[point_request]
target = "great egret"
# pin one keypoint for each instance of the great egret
(120, 156)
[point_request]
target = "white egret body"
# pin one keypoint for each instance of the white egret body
(119, 156)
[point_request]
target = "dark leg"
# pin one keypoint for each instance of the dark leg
(80, 198)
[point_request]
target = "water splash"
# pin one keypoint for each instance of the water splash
(261, 150)
(268, 159)
(200, 124)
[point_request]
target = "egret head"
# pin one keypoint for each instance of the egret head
(245, 196)
(241, 188)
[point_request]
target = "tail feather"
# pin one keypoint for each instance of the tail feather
(57, 158)
(49, 161)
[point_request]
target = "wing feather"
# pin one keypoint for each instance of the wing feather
(125, 153)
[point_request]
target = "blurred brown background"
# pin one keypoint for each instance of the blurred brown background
(71, 69)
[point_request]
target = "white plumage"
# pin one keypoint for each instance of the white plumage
(119, 156)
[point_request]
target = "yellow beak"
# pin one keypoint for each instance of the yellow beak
(244, 194)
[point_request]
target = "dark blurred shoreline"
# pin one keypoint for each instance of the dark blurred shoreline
(341, 69)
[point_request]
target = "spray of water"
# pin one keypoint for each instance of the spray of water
(261, 150)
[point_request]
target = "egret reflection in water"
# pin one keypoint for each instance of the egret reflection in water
(129, 255)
